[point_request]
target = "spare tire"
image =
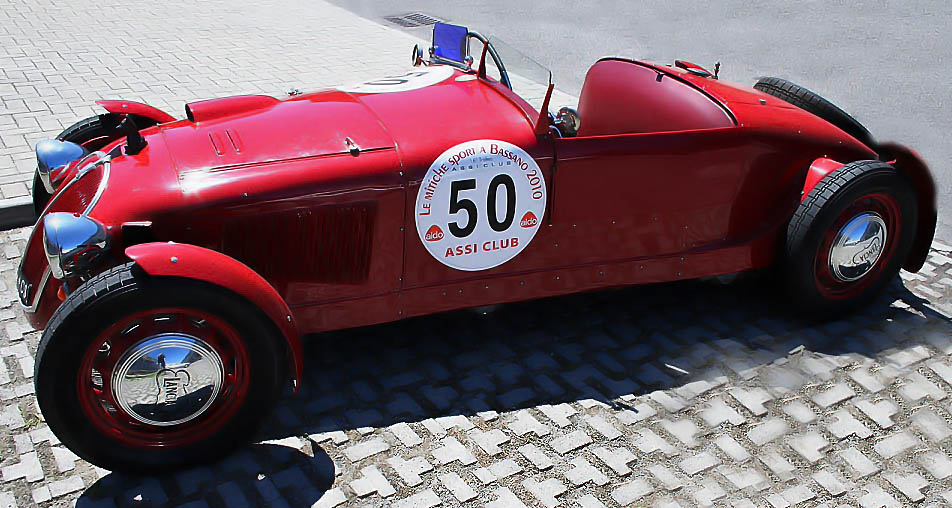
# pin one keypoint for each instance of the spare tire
(814, 103)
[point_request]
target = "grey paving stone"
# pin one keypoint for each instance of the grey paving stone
(910, 485)
(845, 424)
(537, 457)
(895, 444)
(880, 411)
(768, 431)
(617, 459)
(862, 465)
(931, 425)
(744, 478)
(698, 463)
(371, 482)
(505, 499)
(830, 481)
(455, 484)
(545, 491)
(833, 395)
(752, 399)
(810, 446)
(410, 470)
(366, 449)
(732, 448)
(631, 491)
(425, 499)
(649, 442)
(719, 412)
(571, 441)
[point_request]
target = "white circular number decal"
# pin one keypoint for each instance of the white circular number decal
(417, 78)
(480, 204)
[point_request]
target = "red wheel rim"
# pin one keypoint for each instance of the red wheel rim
(99, 394)
(878, 204)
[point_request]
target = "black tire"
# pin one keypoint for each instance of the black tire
(813, 103)
(40, 196)
(855, 189)
(103, 301)
(84, 130)
(95, 127)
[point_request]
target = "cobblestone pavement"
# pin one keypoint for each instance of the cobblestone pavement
(686, 394)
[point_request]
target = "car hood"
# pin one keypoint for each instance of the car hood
(235, 132)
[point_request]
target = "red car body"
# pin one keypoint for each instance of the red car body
(305, 205)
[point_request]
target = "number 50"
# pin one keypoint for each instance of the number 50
(458, 204)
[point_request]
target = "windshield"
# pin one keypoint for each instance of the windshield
(529, 78)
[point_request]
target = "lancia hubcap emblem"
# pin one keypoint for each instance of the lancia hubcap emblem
(168, 379)
(857, 247)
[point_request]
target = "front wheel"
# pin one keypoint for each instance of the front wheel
(849, 237)
(139, 373)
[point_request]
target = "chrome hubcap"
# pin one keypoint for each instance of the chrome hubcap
(857, 247)
(168, 379)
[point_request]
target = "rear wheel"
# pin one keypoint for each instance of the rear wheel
(849, 237)
(152, 373)
(812, 102)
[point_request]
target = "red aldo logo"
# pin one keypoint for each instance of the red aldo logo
(434, 234)
(528, 220)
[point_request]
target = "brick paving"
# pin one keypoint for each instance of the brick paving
(687, 394)
(57, 58)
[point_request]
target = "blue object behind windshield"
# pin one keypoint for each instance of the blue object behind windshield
(449, 41)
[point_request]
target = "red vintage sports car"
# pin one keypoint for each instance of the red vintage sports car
(176, 263)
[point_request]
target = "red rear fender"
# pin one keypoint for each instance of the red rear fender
(193, 262)
(922, 181)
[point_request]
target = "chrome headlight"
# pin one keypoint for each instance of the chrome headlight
(53, 153)
(72, 243)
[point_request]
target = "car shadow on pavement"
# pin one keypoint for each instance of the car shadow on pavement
(272, 473)
(666, 342)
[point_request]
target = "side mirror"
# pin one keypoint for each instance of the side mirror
(568, 121)
(449, 42)
(417, 55)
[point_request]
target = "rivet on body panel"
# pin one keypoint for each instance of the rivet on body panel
(174, 259)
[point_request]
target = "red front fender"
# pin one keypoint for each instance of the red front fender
(137, 108)
(193, 262)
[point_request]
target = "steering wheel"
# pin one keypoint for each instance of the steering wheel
(503, 74)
